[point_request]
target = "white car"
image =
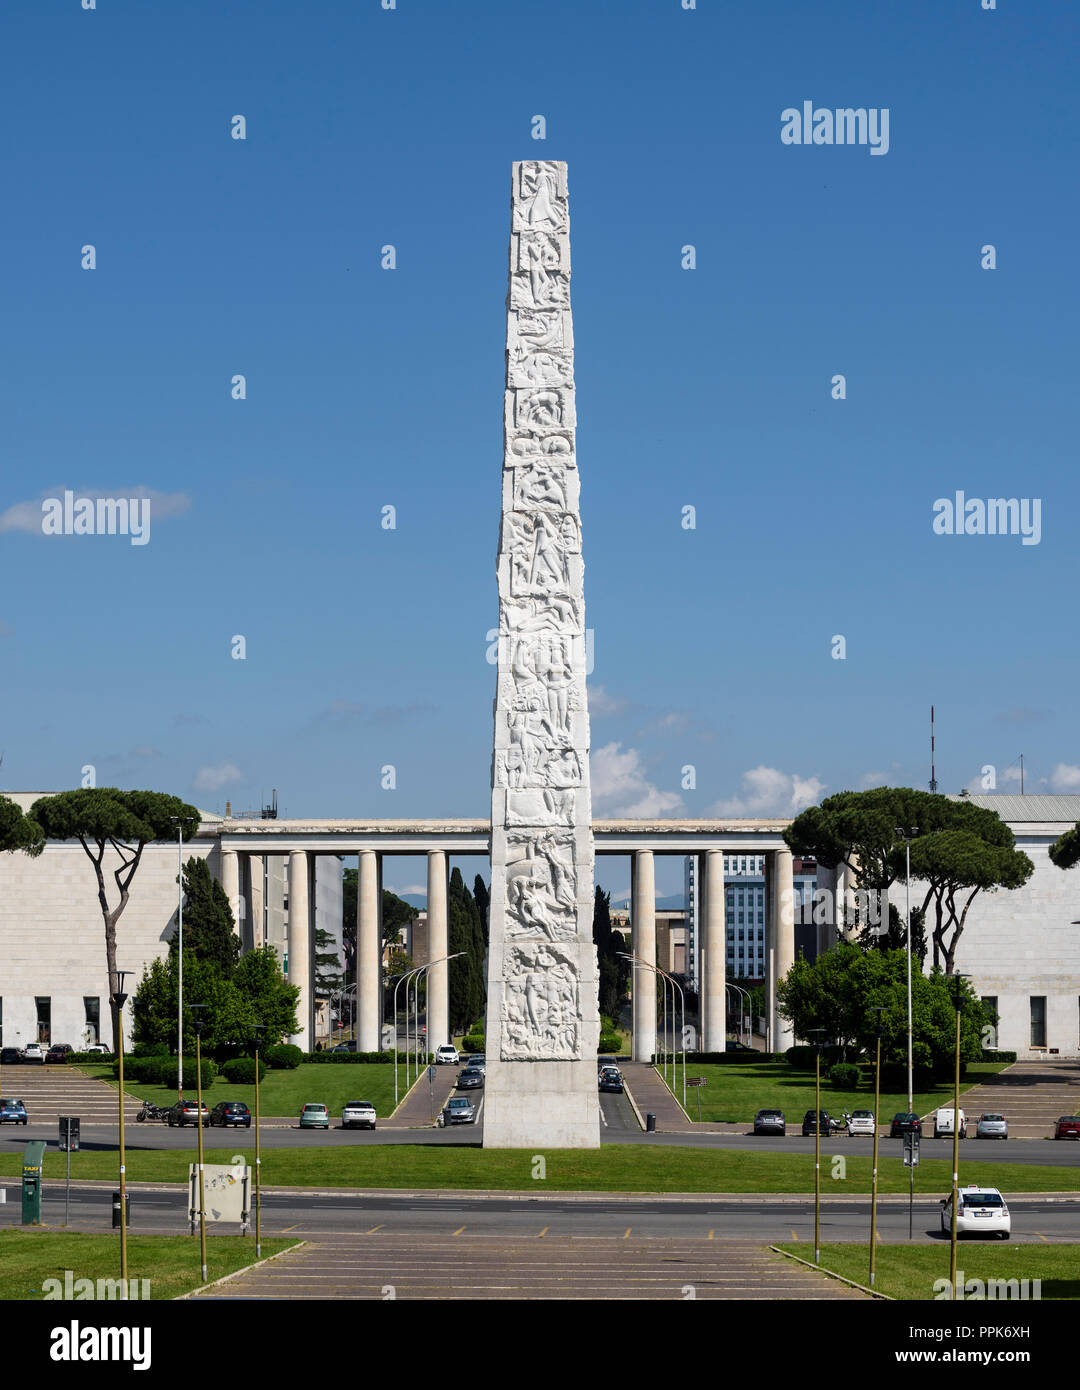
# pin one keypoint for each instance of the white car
(358, 1113)
(861, 1122)
(943, 1124)
(98, 1047)
(32, 1053)
(447, 1053)
(981, 1210)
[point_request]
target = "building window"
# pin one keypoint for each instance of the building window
(92, 1009)
(1038, 1020)
(44, 1017)
(990, 1003)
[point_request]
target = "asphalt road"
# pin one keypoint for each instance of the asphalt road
(619, 1127)
(1036, 1220)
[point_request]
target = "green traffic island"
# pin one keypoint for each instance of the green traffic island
(281, 1092)
(921, 1272)
(169, 1265)
(612, 1168)
(735, 1091)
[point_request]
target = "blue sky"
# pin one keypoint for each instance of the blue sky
(368, 387)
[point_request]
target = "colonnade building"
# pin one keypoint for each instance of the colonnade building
(283, 880)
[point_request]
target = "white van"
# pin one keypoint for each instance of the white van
(943, 1124)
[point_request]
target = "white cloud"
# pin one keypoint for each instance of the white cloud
(766, 791)
(1065, 778)
(620, 787)
(212, 779)
(26, 516)
(601, 702)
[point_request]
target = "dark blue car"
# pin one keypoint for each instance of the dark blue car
(13, 1112)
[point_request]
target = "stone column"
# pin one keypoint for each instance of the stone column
(230, 882)
(368, 953)
(643, 927)
(782, 935)
(438, 990)
(300, 944)
(713, 954)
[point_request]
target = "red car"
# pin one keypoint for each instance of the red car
(1068, 1127)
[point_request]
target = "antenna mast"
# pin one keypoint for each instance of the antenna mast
(933, 774)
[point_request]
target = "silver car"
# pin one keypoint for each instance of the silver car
(992, 1127)
(459, 1111)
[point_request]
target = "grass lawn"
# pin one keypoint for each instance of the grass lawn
(910, 1271)
(171, 1263)
(615, 1167)
(735, 1091)
(285, 1092)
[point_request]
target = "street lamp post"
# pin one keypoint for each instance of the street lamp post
(817, 1143)
(119, 999)
(636, 960)
(873, 1181)
(176, 820)
(957, 1001)
(257, 1028)
(408, 975)
(199, 1026)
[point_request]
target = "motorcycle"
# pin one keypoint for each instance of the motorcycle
(150, 1111)
(841, 1126)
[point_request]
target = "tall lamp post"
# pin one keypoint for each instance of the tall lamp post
(176, 820)
(258, 1029)
(119, 999)
(873, 1180)
(199, 1026)
(958, 999)
(817, 1141)
(907, 835)
(644, 964)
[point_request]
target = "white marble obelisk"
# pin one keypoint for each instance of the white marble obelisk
(543, 1021)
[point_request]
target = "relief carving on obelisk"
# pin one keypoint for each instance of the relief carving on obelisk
(542, 853)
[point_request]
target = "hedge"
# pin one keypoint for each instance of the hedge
(161, 1071)
(344, 1058)
(991, 1054)
(473, 1043)
(609, 1042)
(241, 1071)
(734, 1058)
(285, 1057)
(78, 1058)
(844, 1076)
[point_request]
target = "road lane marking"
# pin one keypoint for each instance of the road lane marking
(459, 1230)
(287, 1229)
(627, 1232)
(375, 1228)
(1042, 1237)
(794, 1236)
(544, 1231)
(710, 1235)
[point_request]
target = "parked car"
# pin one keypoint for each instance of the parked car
(1067, 1127)
(99, 1047)
(861, 1122)
(477, 1062)
(10, 1057)
(611, 1081)
(344, 1047)
(230, 1112)
(732, 1045)
(447, 1053)
(314, 1117)
(943, 1124)
(824, 1119)
(358, 1114)
(904, 1122)
(59, 1052)
(13, 1112)
(610, 1069)
(770, 1122)
(32, 1053)
(458, 1110)
(186, 1112)
(980, 1211)
(470, 1079)
(992, 1127)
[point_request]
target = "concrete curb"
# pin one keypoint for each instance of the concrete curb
(556, 1194)
(194, 1293)
(874, 1293)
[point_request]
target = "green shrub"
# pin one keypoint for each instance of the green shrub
(609, 1042)
(150, 1049)
(287, 1057)
(337, 1058)
(473, 1043)
(240, 1071)
(801, 1058)
(991, 1054)
(844, 1076)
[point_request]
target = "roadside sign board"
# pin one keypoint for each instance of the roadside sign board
(696, 1080)
(911, 1150)
(226, 1186)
